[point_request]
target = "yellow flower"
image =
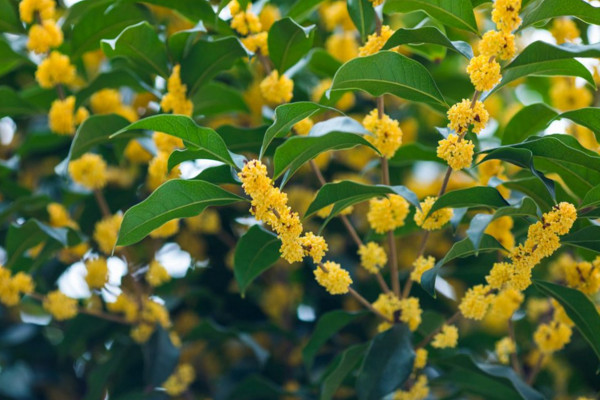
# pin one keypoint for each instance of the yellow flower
(500, 229)
(505, 303)
(165, 230)
(387, 133)
(268, 15)
(456, 152)
(342, 46)
(62, 117)
(407, 310)
(375, 42)
(388, 213)
(448, 337)
(60, 306)
(303, 127)
(475, 302)
(89, 171)
(421, 265)
(97, 272)
(565, 96)
(28, 9)
(552, 336)
(257, 43)
(410, 312)
(584, 276)
(54, 70)
(333, 278)
(59, 216)
(419, 390)
(106, 232)
(136, 153)
(335, 14)
(504, 348)
(245, 22)
(125, 305)
(499, 44)
(45, 36)
(208, 221)
(376, 2)
(157, 274)
(180, 380)
(12, 287)
(564, 30)
(462, 115)
(175, 100)
(420, 359)
(506, 14)
(345, 102)
(157, 171)
(484, 73)
(372, 257)
(105, 101)
(314, 246)
(277, 89)
(166, 143)
(435, 220)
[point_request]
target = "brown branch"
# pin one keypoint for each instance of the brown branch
(101, 200)
(536, 370)
(514, 359)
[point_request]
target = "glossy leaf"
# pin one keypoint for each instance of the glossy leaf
(256, 251)
(12, 105)
(454, 13)
(288, 43)
(412, 152)
(556, 8)
(9, 17)
(95, 131)
(176, 198)
(588, 117)
(181, 42)
(585, 238)
(579, 308)
(220, 174)
(10, 58)
(217, 98)
(387, 365)
(480, 196)
(328, 325)
(21, 238)
(302, 9)
(529, 121)
(427, 35)
(363, 15)
(389, 72)
(340, 368)
(160, 357)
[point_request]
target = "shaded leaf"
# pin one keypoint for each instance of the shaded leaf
(556, 8)
(160, 357)
(340, 368)
(94, 131)
(427, 35)
(362, 14)
(412, 152)
(455, 13)
(288, 43)
(21, 238)
(10, 58)
(480, 196)
(302, 9)
(529, 121)
(216, 98)
(13, 105)
(585, 238)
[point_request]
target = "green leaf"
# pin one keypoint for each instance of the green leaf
(557, 8)
(461, 249)
(217, 98)
(218, 175)
(529, 121)
(302, 9)
(427, 35)
(286, 116)
(181, 42)
(242, 140)
(579, 308)
(346, 193)
(10, 58)
(113, 79)
(586, 238)
(340, 368)
(21, 238)
(389, 72)
(160, 357)
(411, 152)
(195, 137)
(591, 198)
(256, 387)
(94, 131)
(454, 13)
(480, 196)
(256, 251)
(101, 22)
(288, 43)
(322, 63)
(338, 133)
(362, 14)
(588, 117)
(387, 365)
(140, 46)
(176, 198)
(9, 17)
(206, 59)
(12, 105)
(328, 325)
(480, 378)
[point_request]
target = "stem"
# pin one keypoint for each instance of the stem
(514, 359)
(445, 182)
(101, 200)
(351, 231)
(430, 337)
(317, 172)
(60, 90)
(536, 370)
(378, 24)
(380, 107)
(264, 61)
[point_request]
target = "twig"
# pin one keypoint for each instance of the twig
(101, 200)
(514, 359)
(536, 370)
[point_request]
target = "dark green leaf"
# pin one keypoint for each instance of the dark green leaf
(9, 17)
(588, 117)
(340, 368)
(412, 152)
(529, 121)
(556, 8)
(12, 105)
(176, 198)
(427, 35)
(302, 9)
(94, 131)
(10, 58)
(586, 238)
(323, 63)
(288, 43)
(455, 13)
(256, 251)
(480, 196)
(221, 174)
(181, 42)
(591, 199)
(387, 365)
(20, 238)
(140, 46)
(362, 14)
(216, 98)
(113, 79)
(389, 72)
(579, 308)
(328, 325)
(160, 357)
(255, 387)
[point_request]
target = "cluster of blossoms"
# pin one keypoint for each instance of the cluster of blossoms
(387, 135)
(180, 380)
(12, 287)
(175, 100)
(376, 41)
(395, 309)
(435, 220)
(388, 213)
(44, 34)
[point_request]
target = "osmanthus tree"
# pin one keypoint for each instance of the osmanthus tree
(299, 199)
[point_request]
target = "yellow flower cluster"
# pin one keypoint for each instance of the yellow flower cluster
(97, 272)
(157, 274)
(303, 127)
(504, 305)
(419, 390)
(208, 221)
(56, 69)
(334, 14)
(314, 246)
(28, 8)
(13, 286)
(552, 336)
(257, 43)
(107, 101)
(342, 46)
(346, 101)
(89, 171)
(484, 73)
(244, 22)
(372, 257)
(388, 213)
(180, 380)
(475, 302)
(408, 310)
(462, 116)
(175, 100)
(106, 232)
(420, 359)
(421, 265)
(500, 229)
(62, 117)
(59, 216)
(457, 152)
(506, 14)
(435, 220)
(165, 230)
(447, 338)
(583, 275)
(44, 37)
(60, 306)
(157, 171)
(376, 41)
(504, 348)
(151, 314)
(564, 30)
(276, 89)
(566, 95)
(136, 153)
(125, 305)
(333, 278)
(387, 133)
(500, 44)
